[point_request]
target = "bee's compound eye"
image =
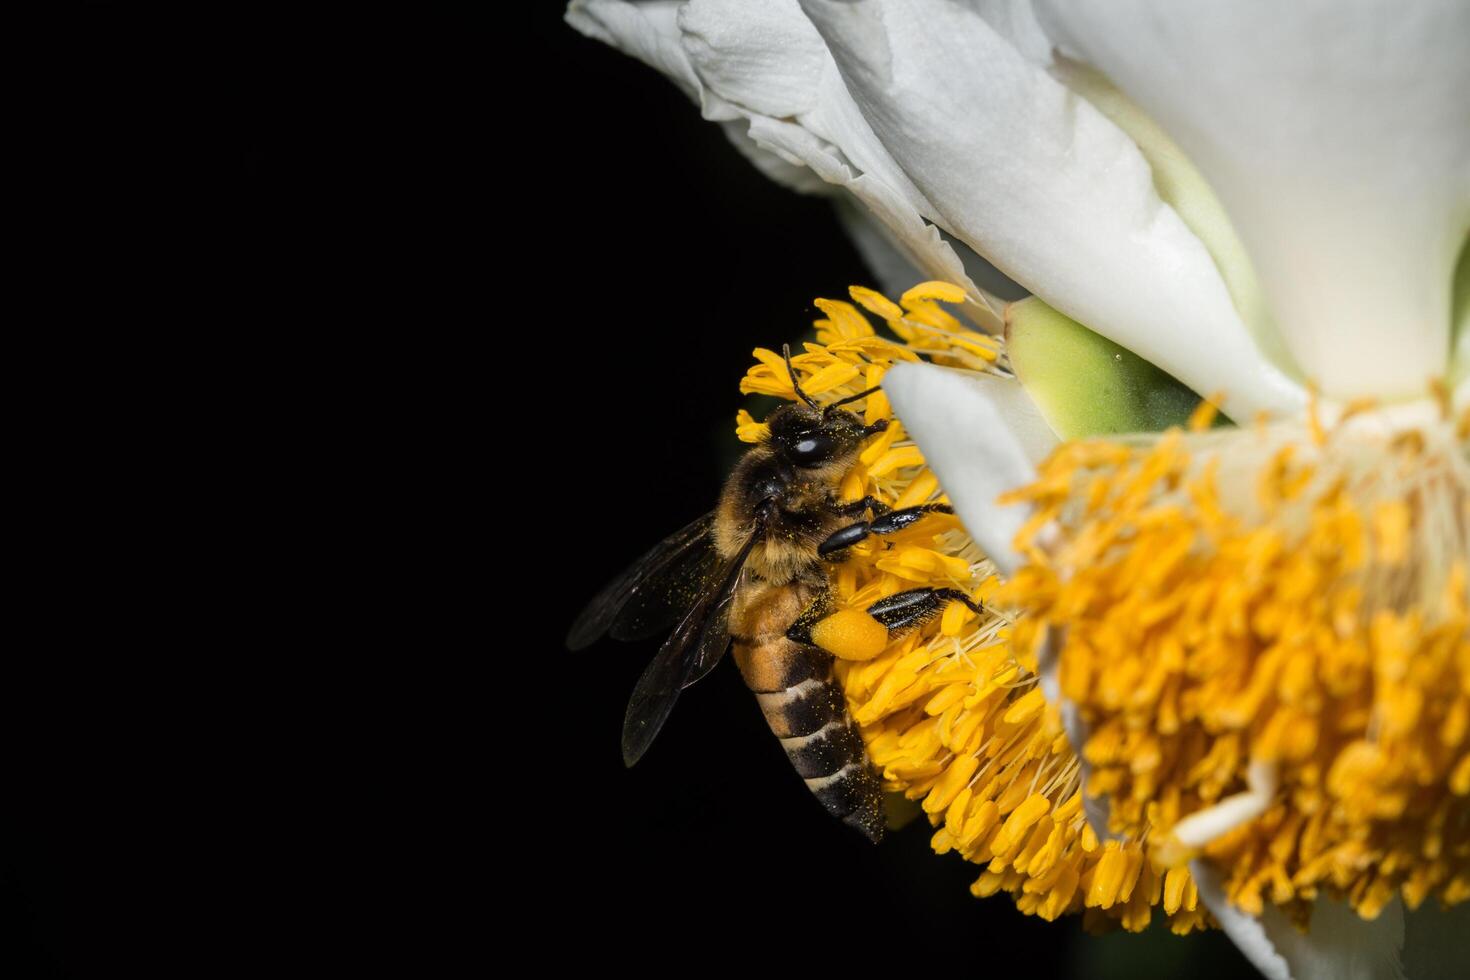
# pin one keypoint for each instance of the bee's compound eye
(812, 448)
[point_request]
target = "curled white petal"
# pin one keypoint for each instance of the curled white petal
(919, 242)
(650, 32)
(1339, 945)
(760, 54)
(647, 31)
(1016, 21)
(1042, 184)
(784, 74)
(1337, 133)
(796, 176)
(982, 437)
(1203, 826)
(764, 59)
(896, 273)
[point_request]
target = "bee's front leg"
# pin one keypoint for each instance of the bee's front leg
(884, 522)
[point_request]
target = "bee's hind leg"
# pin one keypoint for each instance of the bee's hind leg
(821, 607)
(861, 634)
(885, 522)
(912, 609)
(897, 614)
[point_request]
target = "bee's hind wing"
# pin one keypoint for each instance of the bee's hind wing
(714, 643)
(654, 591)
(700, 640)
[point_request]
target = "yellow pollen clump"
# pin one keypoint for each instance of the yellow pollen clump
(1265, 632)
(851, 634)
(952, 714)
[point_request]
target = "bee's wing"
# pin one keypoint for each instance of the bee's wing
(655, 591)
(700, 640)
(715, 642)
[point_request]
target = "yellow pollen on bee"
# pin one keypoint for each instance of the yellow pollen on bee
(851, 634)
(951, 712)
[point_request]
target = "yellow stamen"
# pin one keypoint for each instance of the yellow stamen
(945, 292)
(952, 714)
(876, 303)
(747, 429)
(1266, 634)
(1204, 414)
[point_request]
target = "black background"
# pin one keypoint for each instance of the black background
(466, 301)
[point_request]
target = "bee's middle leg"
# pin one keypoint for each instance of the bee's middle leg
(886, 522)
(858, 508)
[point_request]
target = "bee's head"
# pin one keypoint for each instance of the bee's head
(811, 436)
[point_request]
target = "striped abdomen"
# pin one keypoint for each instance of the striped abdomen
(806, 710)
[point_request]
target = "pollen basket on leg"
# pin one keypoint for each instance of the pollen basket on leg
(950, 710)
(1266, 633)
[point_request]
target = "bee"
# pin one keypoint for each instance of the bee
(754, 575)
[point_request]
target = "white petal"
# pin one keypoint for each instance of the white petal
(1180, 183)
(896, 273)
(767, 54)
(982, 437)
(797, 176)
(892, 269)
(762, 54)
(1016, 21)
(1338, 945)
(1039, 182)
(765, 57)
(650, 33)
(647, 31)
(1337, 133)
(919, 242)
(987, 276)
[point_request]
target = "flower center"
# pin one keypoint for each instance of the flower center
(1266, 633)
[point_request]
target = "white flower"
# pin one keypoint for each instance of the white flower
(1249, 195)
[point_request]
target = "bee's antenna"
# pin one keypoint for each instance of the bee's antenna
(786, 353)
(852, 398)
